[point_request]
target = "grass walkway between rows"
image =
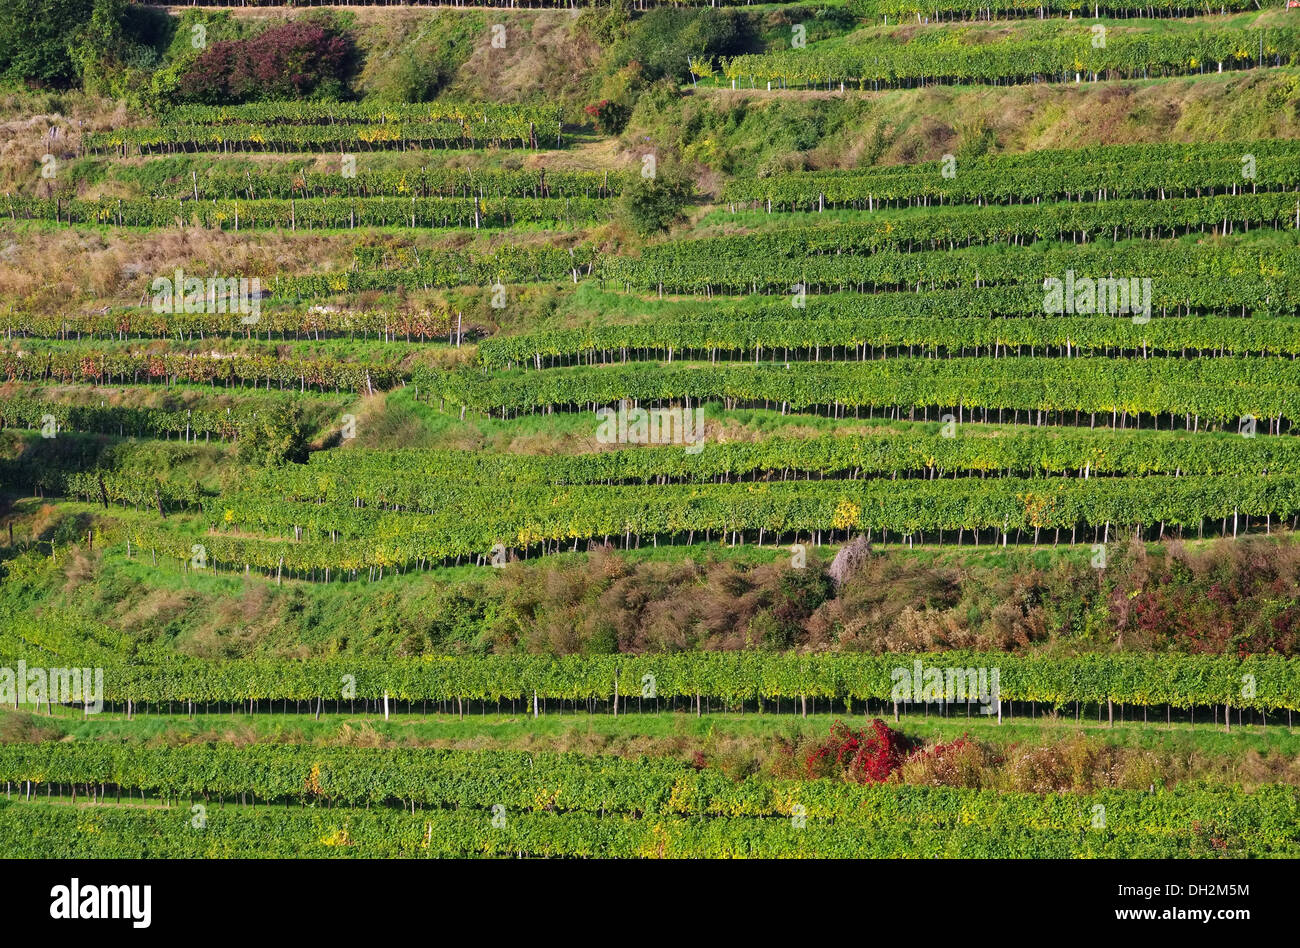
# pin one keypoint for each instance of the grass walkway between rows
(568, 730)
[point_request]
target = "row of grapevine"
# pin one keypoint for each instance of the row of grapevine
(771, 331)
(395, 479)
(815, 338)
(892, 10)
(424, 182)
(364, 111)
(1100, 172)
(958, 227)
(502, 132)
(1234, 271)
(285, 322)
(1231, 269)
(473, 520)
(943, 11)
(43, 831)
(313, 213)
(699, 327)
(122, 367)
(1220, 390)
(1231, 272)
(1183, 681)
(643, 787)
(956, 56)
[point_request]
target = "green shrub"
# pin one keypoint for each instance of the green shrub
(35, 36)
(611, 117)
(275, 437)
(664, 39)
(651, 205)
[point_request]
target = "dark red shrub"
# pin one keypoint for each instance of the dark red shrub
(866, 756)
(284, 62)
(1151, 613)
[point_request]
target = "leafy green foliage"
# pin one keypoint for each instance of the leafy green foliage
(25, 409)
(654, 204)
(278, 436)
(907, 822)
(662, 39)
(610, 117)
(118, 47)
(36, 38)
(800, 593)
(422, 66)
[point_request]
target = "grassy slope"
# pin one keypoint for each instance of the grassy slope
(572, 729)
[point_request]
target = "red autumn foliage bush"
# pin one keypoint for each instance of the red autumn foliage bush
(294, 60)
(867, 756)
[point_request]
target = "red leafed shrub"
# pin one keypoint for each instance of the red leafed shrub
(283, 62)
(866, 756)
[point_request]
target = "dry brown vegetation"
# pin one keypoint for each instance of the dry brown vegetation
(35, 125)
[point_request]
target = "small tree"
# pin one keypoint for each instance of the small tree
(275, 437)
(302, 58)
(611, 117)
(35, 36)
(654, 204)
